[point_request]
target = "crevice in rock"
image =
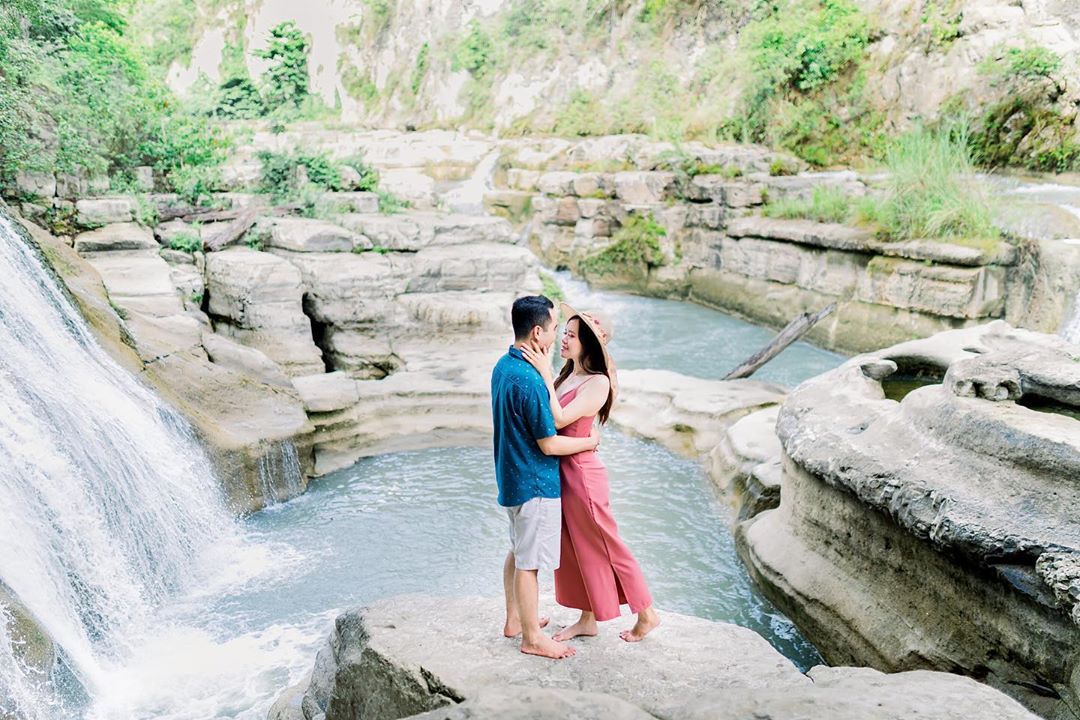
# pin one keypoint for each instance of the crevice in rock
(438, 687)
(318, 333)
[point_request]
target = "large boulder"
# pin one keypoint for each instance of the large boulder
(138, 281)
(926, 516)
(443, 659)
(309, 235)
(256, 298)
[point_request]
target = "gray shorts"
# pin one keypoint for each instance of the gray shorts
(536, 533)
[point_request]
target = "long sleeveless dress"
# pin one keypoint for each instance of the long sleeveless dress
(596, 572)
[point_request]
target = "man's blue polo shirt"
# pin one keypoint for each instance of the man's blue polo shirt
(521, 413)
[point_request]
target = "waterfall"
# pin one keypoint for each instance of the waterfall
(468, 197)
(280, 475)
(107, 502)
(1071, 330)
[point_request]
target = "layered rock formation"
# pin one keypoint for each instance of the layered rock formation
(927, 512)
(438, 658)
(716, 249)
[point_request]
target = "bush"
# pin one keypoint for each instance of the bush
(285, 175)
(931, 192)
(369, 176)
(634, 247)
(419, 69)
(286, 81)
(475, 52)
(186, 242)
(390, 204)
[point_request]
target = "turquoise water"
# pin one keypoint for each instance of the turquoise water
(428, 522)
(691, 339)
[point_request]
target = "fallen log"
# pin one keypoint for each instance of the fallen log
(233, 231)
(794, 330)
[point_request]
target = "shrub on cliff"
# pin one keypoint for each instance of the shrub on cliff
(634, 248)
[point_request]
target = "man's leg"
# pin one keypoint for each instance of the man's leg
(513, 625)
(533, 640)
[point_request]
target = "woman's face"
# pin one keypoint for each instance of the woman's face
(570, 348)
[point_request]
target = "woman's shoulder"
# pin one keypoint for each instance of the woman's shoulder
(599, 380)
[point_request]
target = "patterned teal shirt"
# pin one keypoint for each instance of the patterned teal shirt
(521, 413)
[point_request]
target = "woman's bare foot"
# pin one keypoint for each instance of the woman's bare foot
(512, 628)
(647, 621)
(546, 647)
(584, 627)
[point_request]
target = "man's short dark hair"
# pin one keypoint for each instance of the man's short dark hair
(528, 312)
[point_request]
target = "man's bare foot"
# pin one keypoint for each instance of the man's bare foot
(546, 647)
(582, 628)
(512, 628)
(647, 621)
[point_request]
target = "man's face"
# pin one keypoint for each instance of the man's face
(549, 332)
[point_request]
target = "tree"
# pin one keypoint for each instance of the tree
(286, 81)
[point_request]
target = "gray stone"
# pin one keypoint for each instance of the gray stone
(593, 185)
(557, 184)
(138, 280)
(951, 291)
(643, 188)
(309, 235)
(103, 211)
(240, 358)
(380, 662)
(804, 232)
(392, 232)
(124, 236)
(989, 252)
(955, 495)
(486, 267)
(861, 694)
(358, 202)
(526, 703)
(327, 392)
(36, 184)
(144, 178)
(255, 298)
(524, 180)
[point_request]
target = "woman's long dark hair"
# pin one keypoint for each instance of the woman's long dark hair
(592, 359)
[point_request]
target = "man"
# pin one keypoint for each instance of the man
(527, 471)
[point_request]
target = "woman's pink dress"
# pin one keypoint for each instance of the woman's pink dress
(596, 571)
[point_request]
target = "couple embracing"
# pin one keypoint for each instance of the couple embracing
(553, 485)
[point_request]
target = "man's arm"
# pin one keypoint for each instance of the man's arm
(562, 445)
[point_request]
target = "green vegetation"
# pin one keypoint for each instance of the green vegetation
(390, 204)
(942, 19)
(1025, 126)
(186, 242)
(827, 204)
(930, 193)
(551, 289)
(78, 97)
(286, 80)
(377, 17)
(285, 175)
(419, 69)
(635, 247)
(806, 87)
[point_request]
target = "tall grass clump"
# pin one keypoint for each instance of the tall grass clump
(931, 192)
(827, 204)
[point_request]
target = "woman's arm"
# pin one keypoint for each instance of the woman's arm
(590, 398)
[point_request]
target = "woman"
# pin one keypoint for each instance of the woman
(597, 573)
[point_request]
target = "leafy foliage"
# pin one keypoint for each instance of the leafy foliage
(635, 247)
(286, 81)
(77, 96)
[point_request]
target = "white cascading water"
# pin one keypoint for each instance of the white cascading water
(1071, 330)
(107, 501)
(468, 197)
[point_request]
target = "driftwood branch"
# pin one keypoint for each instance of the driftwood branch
(794, 330)
(233, 231)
